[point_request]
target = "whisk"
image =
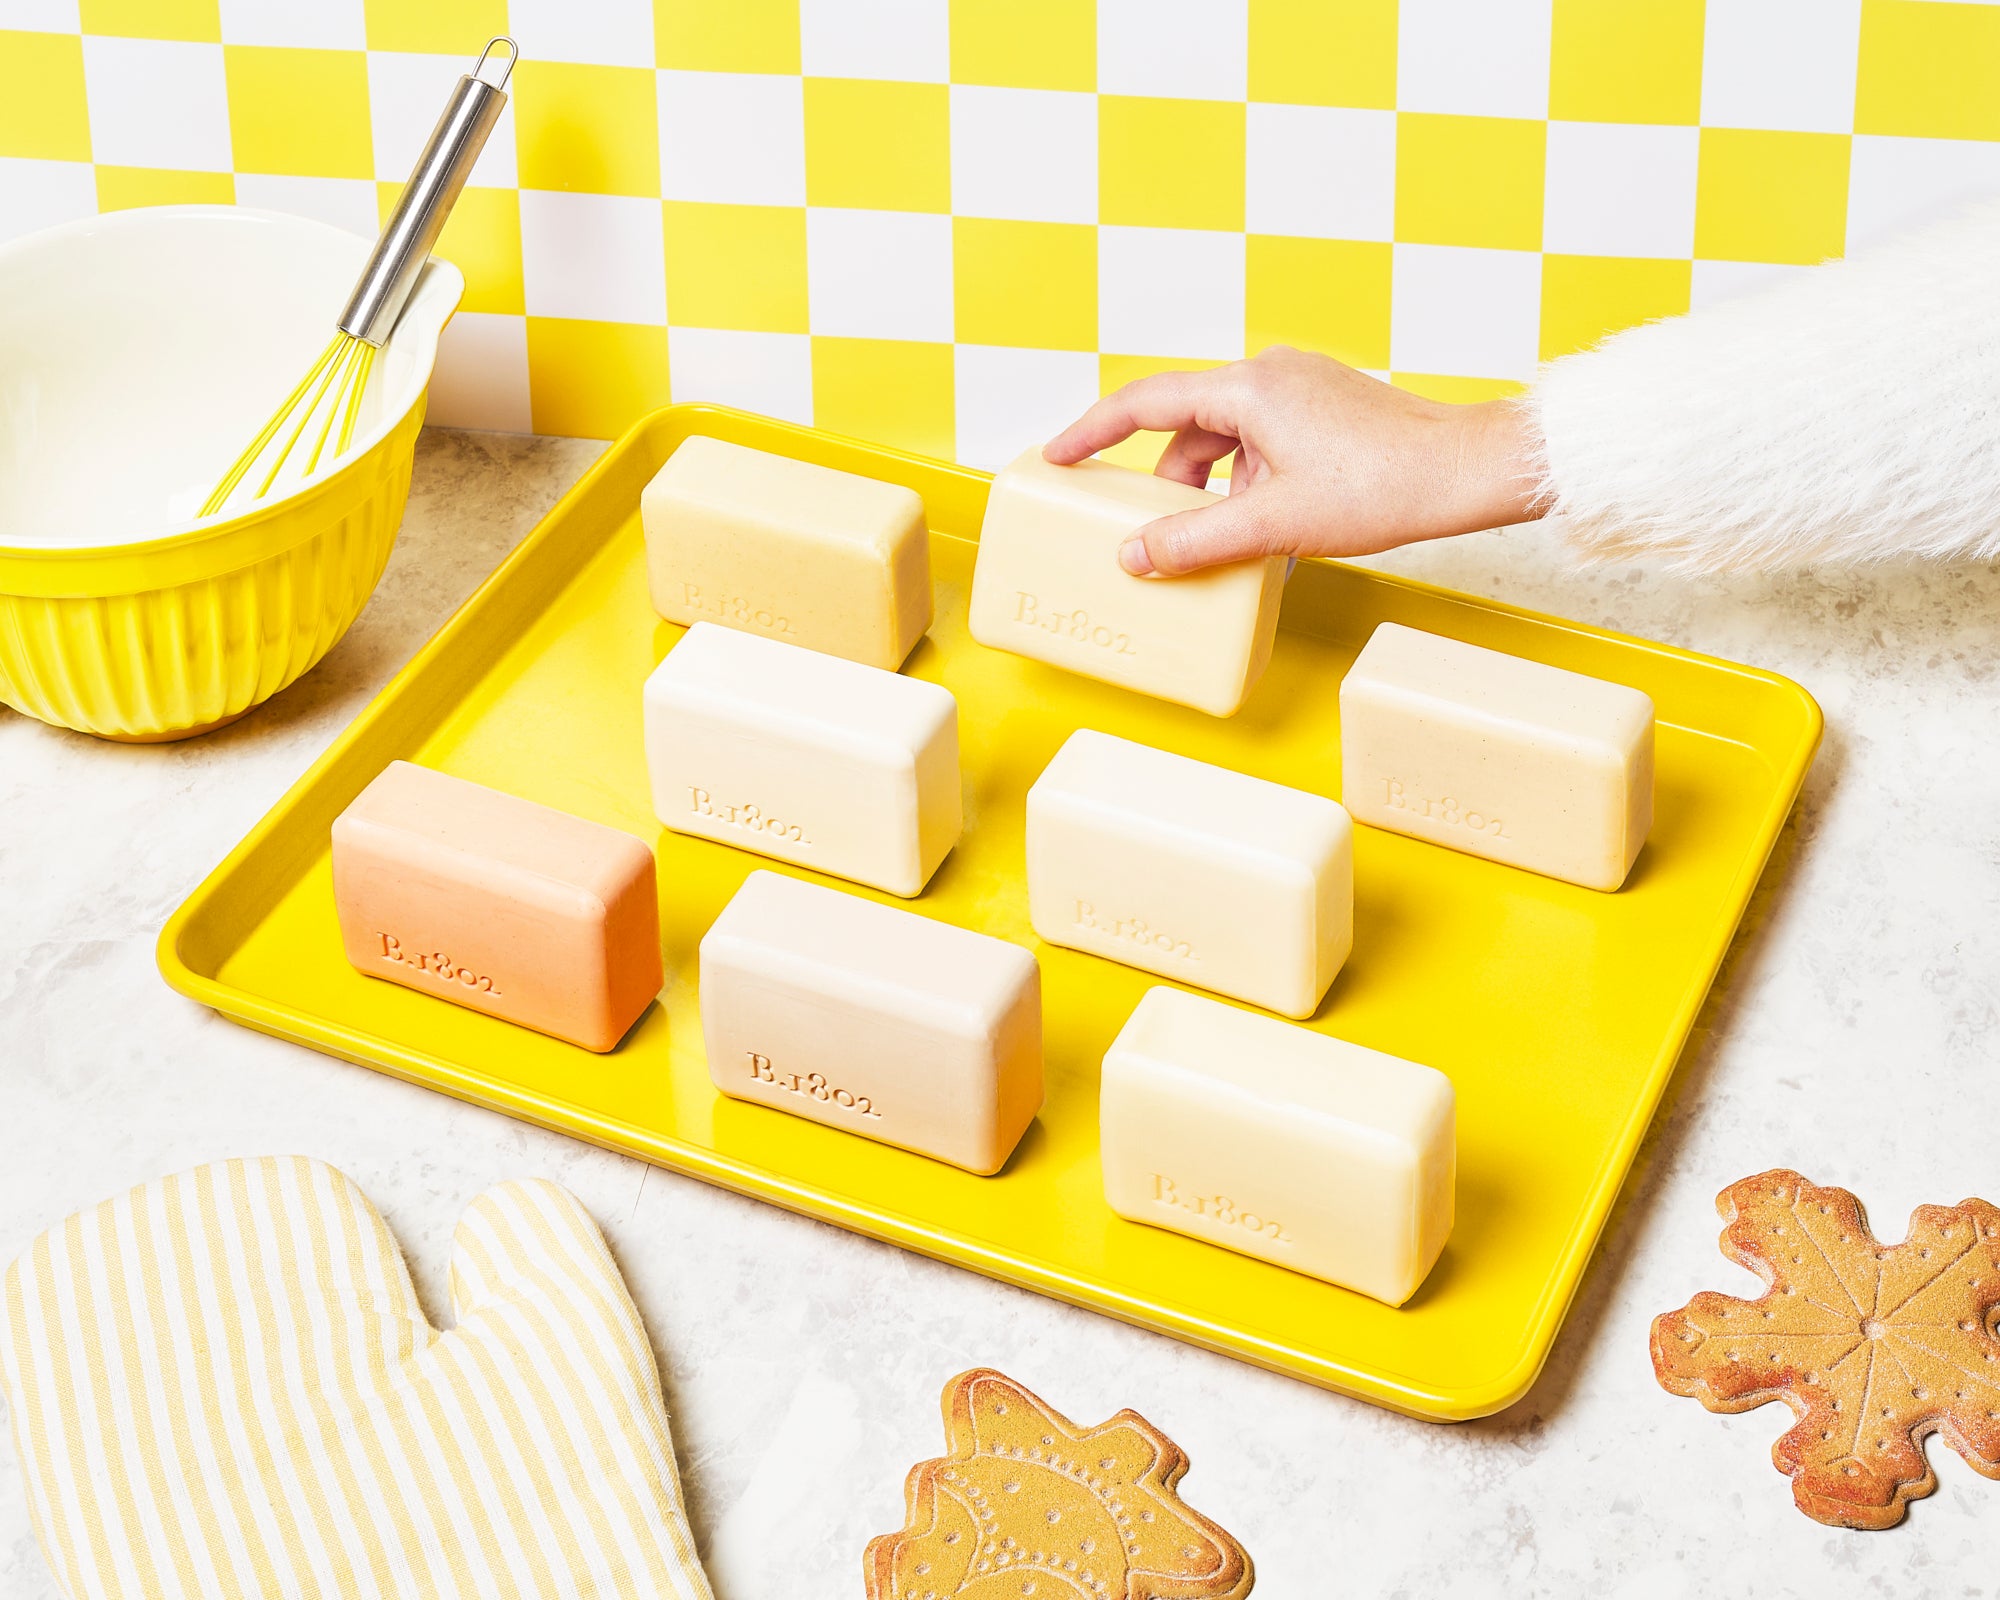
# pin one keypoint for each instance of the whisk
(327, 400)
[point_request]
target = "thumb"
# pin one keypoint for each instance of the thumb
(528, 1245)
(1241, 527)
(541, 1302)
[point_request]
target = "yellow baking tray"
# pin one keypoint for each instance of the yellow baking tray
(1558, 1012)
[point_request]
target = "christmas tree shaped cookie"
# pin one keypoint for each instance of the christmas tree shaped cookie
(1874, 1347)
(1028, 1504)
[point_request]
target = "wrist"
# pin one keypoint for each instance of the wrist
(1498, 466)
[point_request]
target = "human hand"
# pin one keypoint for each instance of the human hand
(1329, 461)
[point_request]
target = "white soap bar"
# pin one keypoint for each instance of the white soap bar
(1278, 1142)
(788, 549)
(1048, 585)
(878, 1021)
(1191, 871)
(804, 757)
(1499, 757)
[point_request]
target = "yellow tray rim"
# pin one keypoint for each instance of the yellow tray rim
(1430, 1403)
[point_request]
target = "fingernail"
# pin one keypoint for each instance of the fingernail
(1133, 558)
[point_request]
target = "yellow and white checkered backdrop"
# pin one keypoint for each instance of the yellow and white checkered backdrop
(950, 224)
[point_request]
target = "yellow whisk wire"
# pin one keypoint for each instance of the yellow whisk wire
(326, 383)
(333, 386)
(368, 354)
(350, 360)
(248, 459)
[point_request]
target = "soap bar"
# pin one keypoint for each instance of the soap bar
(788, 549)
(879, 1021)
(1279, 1142)
(806, 758)
(1499, 757)
(496, 903)
(1047, 584)
(1192, 871)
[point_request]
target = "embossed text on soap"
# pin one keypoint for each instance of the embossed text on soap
(734, 609)
(751, 818)
(1136, 930)
(1445, 809)
(436, 963)
(1079, 627)
(1218, 1208)
(811, 1085)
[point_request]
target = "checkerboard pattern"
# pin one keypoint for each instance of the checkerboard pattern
(951, 224)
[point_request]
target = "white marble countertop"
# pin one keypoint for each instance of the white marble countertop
(1855, 1034)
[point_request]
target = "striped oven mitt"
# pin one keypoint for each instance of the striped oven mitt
(222, 1385)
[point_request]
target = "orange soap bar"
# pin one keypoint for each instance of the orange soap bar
(498, 904)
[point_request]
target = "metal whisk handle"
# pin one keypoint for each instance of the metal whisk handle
(406, 243)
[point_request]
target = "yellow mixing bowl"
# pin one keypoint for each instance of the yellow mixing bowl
(139, 352)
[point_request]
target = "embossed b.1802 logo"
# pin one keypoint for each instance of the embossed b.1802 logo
(1218, 1208)
(748, 817)
(812, 1085)
(734, 609)
(1077, 626)
(436, 963)
(1398, 796)
(1132, 930)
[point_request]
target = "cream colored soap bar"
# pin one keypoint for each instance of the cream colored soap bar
(846, 769)
(1191, 871)
(1499, 757)
(788, 549)
(1276, 1141)
(875, 1020)
(498, 904)
(1048, 585)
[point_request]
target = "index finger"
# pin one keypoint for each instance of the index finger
(1167, 402)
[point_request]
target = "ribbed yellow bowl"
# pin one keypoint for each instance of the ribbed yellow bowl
(166, 636)
(146, 643)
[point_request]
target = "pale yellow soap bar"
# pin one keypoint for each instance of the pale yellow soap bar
(1279, 1142)
(788, 549)
(804, 757)
(1496, 756)
(1192, 871)
(873, 1020)
(1048, 585)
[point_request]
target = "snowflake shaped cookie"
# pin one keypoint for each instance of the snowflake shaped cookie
(1027, 1504)
(1875, 1347)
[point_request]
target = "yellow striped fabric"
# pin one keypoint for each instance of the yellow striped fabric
(222, 1385)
